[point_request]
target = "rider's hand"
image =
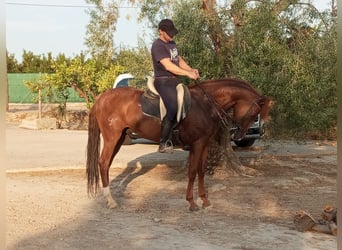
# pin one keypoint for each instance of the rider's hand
(194, 74)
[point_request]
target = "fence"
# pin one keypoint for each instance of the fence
(19, 93)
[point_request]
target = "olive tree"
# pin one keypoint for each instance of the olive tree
(286, 48)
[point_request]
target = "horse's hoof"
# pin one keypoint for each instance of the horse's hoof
(112, 205)
(206, 204)
(193, 208)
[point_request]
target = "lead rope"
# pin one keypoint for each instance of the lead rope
(225, 119)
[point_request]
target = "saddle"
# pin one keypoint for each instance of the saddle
(153, 105)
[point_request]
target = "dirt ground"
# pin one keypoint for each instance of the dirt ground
(49, 208)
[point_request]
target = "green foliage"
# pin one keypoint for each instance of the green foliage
(48, 92)
(107, 78)
(32, 63)
(138, 62)
(294, 63)
(86, 77)
(193, 41)
(39, 86)
(12, 64)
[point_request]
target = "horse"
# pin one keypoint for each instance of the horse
(117, 110)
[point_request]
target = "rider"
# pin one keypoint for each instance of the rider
(168, 65)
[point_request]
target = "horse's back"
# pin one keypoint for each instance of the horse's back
(117, 102)
(118, 95)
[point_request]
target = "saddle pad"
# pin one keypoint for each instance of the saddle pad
(152, 105)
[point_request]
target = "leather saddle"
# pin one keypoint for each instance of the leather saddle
(153, 105)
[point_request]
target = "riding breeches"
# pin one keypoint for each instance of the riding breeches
(166, 87)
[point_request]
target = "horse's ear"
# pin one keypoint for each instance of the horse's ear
(266, 104)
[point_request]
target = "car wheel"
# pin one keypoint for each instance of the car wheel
(245, 142)
(128, 140)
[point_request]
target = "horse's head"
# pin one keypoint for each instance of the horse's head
(247, 103)
(245, 114)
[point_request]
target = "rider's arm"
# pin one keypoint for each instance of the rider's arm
(183, 64)
(180, 71)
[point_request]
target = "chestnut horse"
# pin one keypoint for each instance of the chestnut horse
(116, 110)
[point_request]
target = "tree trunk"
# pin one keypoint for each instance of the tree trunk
(222, 158)
(216, 33)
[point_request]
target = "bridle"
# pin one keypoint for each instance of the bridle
(224, 117)
(250, 110)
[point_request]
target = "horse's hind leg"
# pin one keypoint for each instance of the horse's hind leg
(104, 163)
(197, 160)
(110, 149)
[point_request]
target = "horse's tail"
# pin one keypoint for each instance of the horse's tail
(93, 153)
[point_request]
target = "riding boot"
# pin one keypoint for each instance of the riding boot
(165, 131)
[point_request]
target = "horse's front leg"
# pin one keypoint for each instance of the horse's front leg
(190, 189)
(201, 173)
(194, 158)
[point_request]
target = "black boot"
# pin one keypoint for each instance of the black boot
(165, 145)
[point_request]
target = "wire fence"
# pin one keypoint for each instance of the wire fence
(19, 93)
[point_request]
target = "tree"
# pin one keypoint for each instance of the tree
(100, 30)
(12, 64)
(86, 77)
(283, 55)
(250, 40)
(138, 62)
(31, 63)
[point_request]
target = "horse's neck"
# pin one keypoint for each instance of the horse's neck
(226, 94)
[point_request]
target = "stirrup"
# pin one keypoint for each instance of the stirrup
(166, 147)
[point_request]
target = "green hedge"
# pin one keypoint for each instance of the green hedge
(19, 93)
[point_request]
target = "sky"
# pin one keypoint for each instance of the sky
(44, 29)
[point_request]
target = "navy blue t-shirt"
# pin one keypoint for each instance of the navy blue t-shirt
(161, 50)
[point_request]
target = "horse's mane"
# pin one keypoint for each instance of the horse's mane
(234, 83)
(237, 83)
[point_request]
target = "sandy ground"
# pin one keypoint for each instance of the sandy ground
(48, 207)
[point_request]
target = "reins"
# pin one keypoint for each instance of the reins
(250, 110)
(226, 120)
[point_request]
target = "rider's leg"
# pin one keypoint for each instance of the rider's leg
(165, 132)
(166, 88)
